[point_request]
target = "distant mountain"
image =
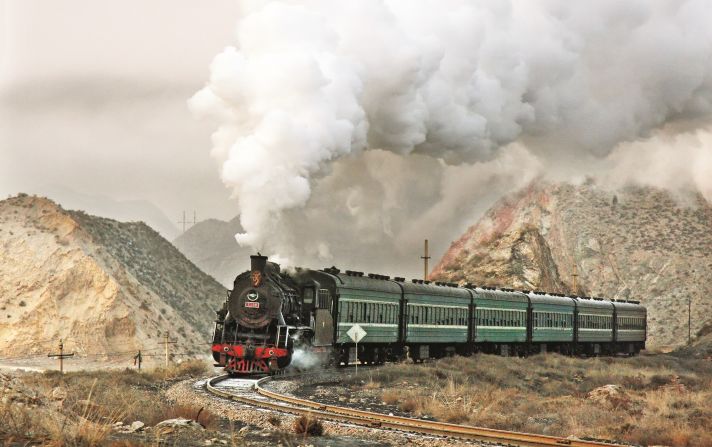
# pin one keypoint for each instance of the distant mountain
(102, 285)
(637, 243)
(104, 206)
(211, 245)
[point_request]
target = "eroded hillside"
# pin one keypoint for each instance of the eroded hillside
(102, 285)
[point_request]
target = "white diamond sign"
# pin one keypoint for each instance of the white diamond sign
(356, 333)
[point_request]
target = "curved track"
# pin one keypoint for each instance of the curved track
(260, 397)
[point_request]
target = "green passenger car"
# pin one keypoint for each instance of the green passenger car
(436, 314)
(500, 316)
(552, 318)
(631, 322)
(373, 304)
(595, 321)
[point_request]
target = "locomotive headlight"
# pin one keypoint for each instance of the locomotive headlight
(271, 352)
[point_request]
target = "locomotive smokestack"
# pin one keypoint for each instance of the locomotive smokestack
(258, 263)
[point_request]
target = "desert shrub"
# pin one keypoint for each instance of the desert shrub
(390, 397)
(409, 404)
(308, 425)
(18, 423)
(274, 420)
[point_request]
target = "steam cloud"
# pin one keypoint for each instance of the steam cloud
(304, 359)
(468, 94)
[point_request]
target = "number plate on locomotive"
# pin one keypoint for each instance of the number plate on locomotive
(252, 304)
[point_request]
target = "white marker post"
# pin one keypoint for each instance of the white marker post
(356, 333)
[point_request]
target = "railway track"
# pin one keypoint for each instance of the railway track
(260, 397)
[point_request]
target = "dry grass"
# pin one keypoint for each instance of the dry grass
(390, 397)
(188, 368)
(94, 402)
(664, 400)
(308, 425)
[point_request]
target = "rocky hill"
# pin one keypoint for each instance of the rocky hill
(637, 243)
(102, 285)
(211, 245)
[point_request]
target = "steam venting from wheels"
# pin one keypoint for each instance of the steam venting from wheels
(303, 359)
(308, 88)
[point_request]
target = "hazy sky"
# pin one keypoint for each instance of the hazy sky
(93, 98)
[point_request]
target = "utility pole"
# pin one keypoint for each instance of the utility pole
(165, 343)
(689, 319)
(137, 360)
(425, 261)
(575, 275)
(183, 222)
(61, 356)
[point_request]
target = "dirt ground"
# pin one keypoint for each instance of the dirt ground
(647, 400)
(125, 407)
(119, 408)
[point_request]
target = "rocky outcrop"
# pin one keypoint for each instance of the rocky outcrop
(101, 285)
(637, 243)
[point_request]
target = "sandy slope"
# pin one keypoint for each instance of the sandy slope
(97, 283)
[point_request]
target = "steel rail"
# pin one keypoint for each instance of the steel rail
(371, 419)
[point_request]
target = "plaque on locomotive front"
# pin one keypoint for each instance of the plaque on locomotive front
(256, 278)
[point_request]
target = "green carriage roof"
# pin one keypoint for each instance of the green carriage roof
(434, 290)
(584, 303)
(628, 306)
(366, 283)
(500, 295)
(545, 298)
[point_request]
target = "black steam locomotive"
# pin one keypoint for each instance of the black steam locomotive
(269, 315)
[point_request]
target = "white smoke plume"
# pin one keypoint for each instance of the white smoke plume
(304, 359)
(680, 161)
(308, 87)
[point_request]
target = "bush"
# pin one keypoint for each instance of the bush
(308, 425)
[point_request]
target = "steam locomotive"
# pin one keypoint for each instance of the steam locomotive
(270, 314)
